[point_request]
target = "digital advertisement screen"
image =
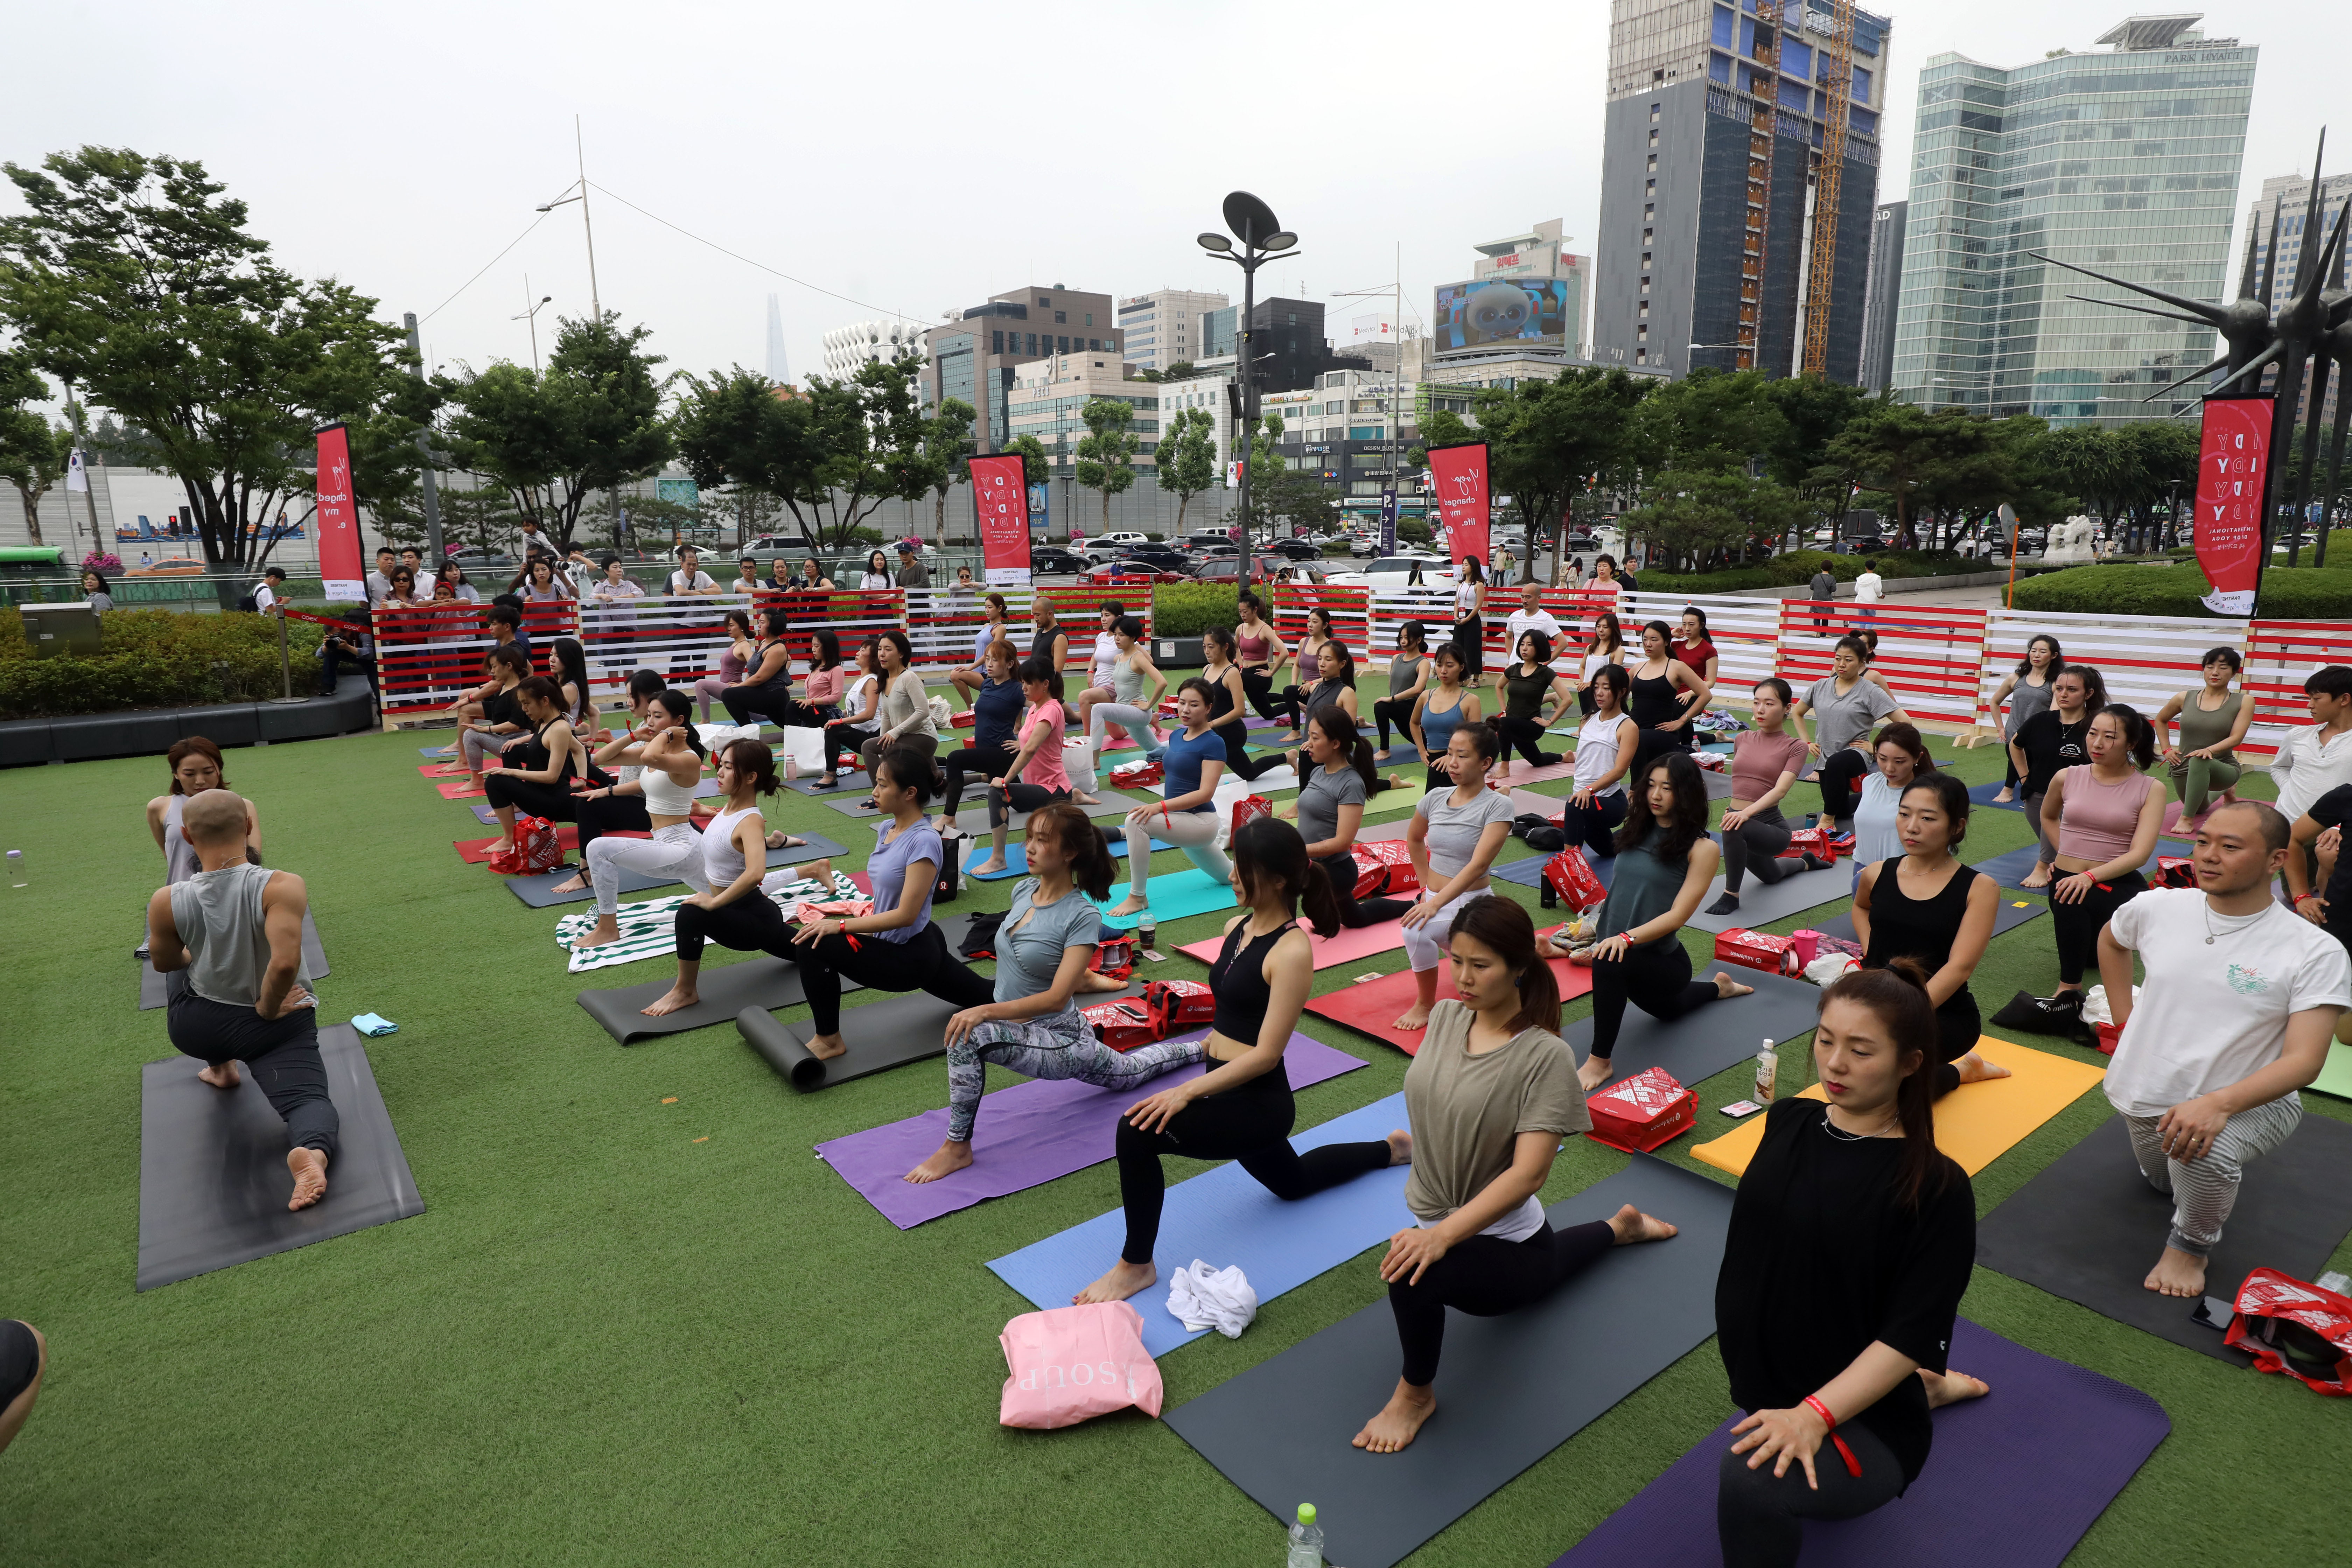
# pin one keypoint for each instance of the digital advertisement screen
(1502, 310)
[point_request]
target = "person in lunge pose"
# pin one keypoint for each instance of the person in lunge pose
(497, 722)
(231, 938)
(1490, 1094)
(1035, 776)
(196, 764)
(1228, 697)
(668, 766)
(1535, 697)
(1765, 761)
(2214, 723)
(742, 648)
(1241, 1108)
(1129, 705)
(996, 709)
(2104, 816)
(2234, 1017)
(1843, 706)
(1044, 951)
(2026, 690)
(1408, 676)
(1453, 836)
(861, 701)
(731, 910)
(2050, 741)
(1444, 707)
(1605, 744)
(1330, 808)
(1667, 695)
(1260, 651)
(539, 783)
(1312, 673)
(1850, 1241)
(1190, 765)
(1604, 648)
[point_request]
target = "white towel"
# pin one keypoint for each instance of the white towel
(1205, 1298)
(2094, 1005)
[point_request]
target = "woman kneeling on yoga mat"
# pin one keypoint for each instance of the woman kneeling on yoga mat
(196, 764)
(2105, 817)
(1453, 837)
(1490, 1094)
(730, 911)
(669, 765)
(1765, 761)
(1851, 1242)
(552, 758)
(1241, 1108)
(1330, 808)
(1190, 765)
(1044, 951)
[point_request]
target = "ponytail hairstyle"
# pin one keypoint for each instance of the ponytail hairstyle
(1503, 927)
(1341, 730)
(195, 746)
(753, 757)
(508, 656)
(1319, 619)
(1463, 666)
(779, 621)
(1897, 997)
(1041, 672)
(1615, 678)
(681, 708)
(910, 769)
(1346, 660)
(1908, 737)
(1412, 638)
(1269, 854)
(741, 618)
(539, 689)
(2094, 686)
(1780, 689)
(646, 684)
(1690, 808)
(1083, 845)
(1951, 799)
(1220, 637)
(2139, 735)
(1249, 601)
(1857, 647)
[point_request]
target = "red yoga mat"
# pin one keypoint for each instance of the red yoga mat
(1369, 1008)
(1348, 947)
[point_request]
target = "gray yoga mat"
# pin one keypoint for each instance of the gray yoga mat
(852, 784)
(906, 1027)
(1761, 904)
(2089, 1227)
(213, 1181)
(1720, 1035)
(155, 989)
(757, 981)
(536, 891)
(1509, 1389)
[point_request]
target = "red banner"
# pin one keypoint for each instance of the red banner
(1460, 473)
(2234, 485)
(1000, 495)
(340, 572)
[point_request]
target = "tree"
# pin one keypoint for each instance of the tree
(483, 517)
(1712, 420)
(836, 452)
(1695, 511)
(947, 442)
(1813, 410)
(33, 454)
(1106, 452)
(1036, 468)
(1888, 448)
(131, 279)
(1546, 441)
(1187, 458)
(721, 424)
(1177, 371)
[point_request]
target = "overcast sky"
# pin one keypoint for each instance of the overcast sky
(918, 157)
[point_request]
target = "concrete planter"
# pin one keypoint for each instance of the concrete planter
(152, 731)
(1178, 653)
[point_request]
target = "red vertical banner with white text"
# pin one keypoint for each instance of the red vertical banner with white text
(1460, 476)
(1000, 496)
(340, 573)
(2233, 487)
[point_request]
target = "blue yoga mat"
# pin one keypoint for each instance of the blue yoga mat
(2011, 868)
(1982, 795)
(1223, 1218)
(1016, 859)
(1173, 896)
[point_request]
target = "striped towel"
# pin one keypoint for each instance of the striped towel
(649, 930)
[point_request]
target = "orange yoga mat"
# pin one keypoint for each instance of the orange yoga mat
(1367, 1008)
(1975, 1124)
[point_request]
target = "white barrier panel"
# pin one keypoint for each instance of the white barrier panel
(2144, 659)
(680, 637)
(1746, 633)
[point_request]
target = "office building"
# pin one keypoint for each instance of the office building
(1289, 343)
(1524, 293)
(2282, 203)
(846, 348)
(1711, 165)
(975, 359)
(1352, 429)
(1884, 293)
(1163, 327)
(2125, 159)
(1204, 389)
(1049, 395)
(780, 370)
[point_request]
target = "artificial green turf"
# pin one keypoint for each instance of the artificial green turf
(626, 1331)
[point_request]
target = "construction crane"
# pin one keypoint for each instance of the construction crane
(1834, 75)
(1760, 135)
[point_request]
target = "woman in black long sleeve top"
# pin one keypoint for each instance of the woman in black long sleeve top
(1850, 1243)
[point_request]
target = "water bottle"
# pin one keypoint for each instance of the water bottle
(1768, 1074)
(16, 867)
(1306, 1541)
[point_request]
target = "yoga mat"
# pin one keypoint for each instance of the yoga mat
(1391, 801)
(1509, 1390)
(1761, 904)
(901, 1027)
(2015, 1479)
(536, 890)
(2012, 910)
(476, 851)
(853, 783)
(2089, 1227)
(1225, 1218)
(1027, 1136)
(1175, 895)
(1370, 1007)
(757, 981)
(1975, 1124)
(1720, 1035)
(1016, 857)
(1982, 795)
(155, 988)
(447, 751)
(2335, 1078)
(459, 789)
(1351, 945)
(2012, 866)
(213, 1181)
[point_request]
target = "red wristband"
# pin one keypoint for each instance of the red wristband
(1853, 1464)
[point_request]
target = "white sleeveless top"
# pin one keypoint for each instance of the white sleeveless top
(1466, 601)
(218, 917)
(1596, 752)
(663, 798)
(721, 861)
(180, 861)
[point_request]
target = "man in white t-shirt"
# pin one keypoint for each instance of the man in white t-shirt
(690, 577)
(2238, 1003)
(379, 581)
(1530, 616)
(2316, 759)
(265, 593)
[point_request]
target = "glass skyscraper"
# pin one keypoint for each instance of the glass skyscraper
(2125, 161)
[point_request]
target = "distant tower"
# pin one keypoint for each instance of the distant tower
(779, 371)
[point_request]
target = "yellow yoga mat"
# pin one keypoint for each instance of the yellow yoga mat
(1975, 1124)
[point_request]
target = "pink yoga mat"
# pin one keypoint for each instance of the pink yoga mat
(1367, 1008)
(1348, 947)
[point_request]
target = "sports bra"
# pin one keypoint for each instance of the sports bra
(1238, 978)
(1438, 724)
(1252, 650)
(722, 862)
(663, 797)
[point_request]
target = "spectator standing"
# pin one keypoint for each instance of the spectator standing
(912, 573)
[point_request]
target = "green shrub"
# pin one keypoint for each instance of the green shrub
(2127, 590)
(153, 658)
(1707, 581)
(1187, 609)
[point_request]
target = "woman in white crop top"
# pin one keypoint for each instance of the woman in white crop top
(732, 910)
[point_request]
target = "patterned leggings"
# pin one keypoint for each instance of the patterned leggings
(1056, 1046)
(2204, 1190)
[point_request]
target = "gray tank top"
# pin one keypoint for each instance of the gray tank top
(218, 917)
(1405, 669)
(2025, 700)
(1126, 682)
(180, 861)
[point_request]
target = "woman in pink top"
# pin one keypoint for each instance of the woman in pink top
(740, 647)
(2104, 818)
(1036, 777)
(1765, 761)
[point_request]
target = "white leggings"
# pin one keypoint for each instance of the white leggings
(672, 852)
(1134, 721)
(1193, 832)
(1425, 945)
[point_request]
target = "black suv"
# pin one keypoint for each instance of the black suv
(1051, 559)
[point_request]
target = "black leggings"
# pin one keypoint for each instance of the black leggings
(553, 801)
(282, 1054)
(921, 963)
(1238, 760)
(749, 704)
(843, 740)
(611, 813)
(751, 924)
(1397, 710)
(1654, 977)
(1353, 914)
(1486, 1277)
(1018, 797)
(1959, 1026)
(1250, 1124)
(1258, 687)
(1757, 1515)
(1526, 734)
(20, 1360)
(1840, 779)
(1756, 844)
(2077, 926)
(1652, 744)
(985, 762)
(1594, 825)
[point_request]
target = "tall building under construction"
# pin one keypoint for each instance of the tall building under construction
(1719, 117)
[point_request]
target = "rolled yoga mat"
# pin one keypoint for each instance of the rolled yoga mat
(213, 1181)
(2089, 1227)
(1370, 1006)
(898, 1028)
(537, 891)
(1028, 1134)
(155, 988)
(1720, 1035)
(757, 981)
(2014, 1479)
(1509, 1389)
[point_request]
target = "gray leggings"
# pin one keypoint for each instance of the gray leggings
(1755, 844)
(1058, 1046)
(2204, 1190)
(473, 745)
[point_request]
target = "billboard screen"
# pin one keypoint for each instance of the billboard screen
(1502, 310)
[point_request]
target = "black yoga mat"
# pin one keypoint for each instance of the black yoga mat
(213, 1181)
(534, 890)
(155, 989)
(756, 981)
(2089, 1227)
(1509, 1389)
(1699, 1045)
(907, 1026)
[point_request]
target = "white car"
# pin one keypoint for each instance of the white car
(1396, 572)
(1124, 540)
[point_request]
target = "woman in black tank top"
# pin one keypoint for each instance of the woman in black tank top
(1225, 720)
(1241, 1109)
(1942, 921)
(537, 780)
(1656, 702)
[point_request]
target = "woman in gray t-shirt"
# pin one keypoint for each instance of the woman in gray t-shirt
(1454, 836)
(1330, 808)
(1043, 949)
(1843, 706)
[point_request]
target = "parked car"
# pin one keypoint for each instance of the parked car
(1228, 569)
(1200, 539)
(1127, 538)
(1219, 550)
(1396, 572)
(1052, 560)
(1364, 544)
(1296, 548)
(170, 566)
(1300, 572)
(1132, 568)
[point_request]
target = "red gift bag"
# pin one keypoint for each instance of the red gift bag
(1756, 950)
(1571, 876)
(1248, 809)
(2175, 871)
(1136, 774)
(1814, 841)
(1384, 867)
(2290, 1327)
(1180, 1005)
(536, 849)
(1115, 956)
(1123, 1025)
(1639, 1113)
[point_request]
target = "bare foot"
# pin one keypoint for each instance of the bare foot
(825, 1048)
(1124, 1279)
(1632, 1226)
(947, 824)
(503, 846)
(782, 840)
(950, 1158)
(984, 866)
(1726, 987)
(1952, 1387)
(1399, 1420)
(2004, 797)
(676, 997)
(310, 1168)
(1133, 904)
(577, 884)
(1411, 1020)
(607, 929)
(2177, 1273)
(1080, 797)
(1594, 1073)
(817, 870)
(1974, 1068)
(2040, 877)
(1400, 1148)
(220, 1075)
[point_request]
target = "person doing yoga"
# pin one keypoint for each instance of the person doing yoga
(2104, 816)
(2233, 1018)
(1044, 950)
(1661, 709)
(567, 666)
(1925, 905)
(1490, 1094)
(1313, 673)
(1241, 1108)
(2213, 725)
(1664, 862)
(1850, 1241)
(997, 711)
(611, 809)
(2049, 741)
(861, 703)
(541, 783)
(903, 717)
(1049, 640)
(742, 648)
(498, 723)
(1694, 646)
(1409, 676)
(1260, 651)
(994, 628)
(731, 908)
(1099, 663)
(1034, 776)
(1453, 836)
(1605, 744)
(1899, 754)
(1330, 809)
(1190, 765)
(668, 766)
(1136, 685)
(1228, 694)
(766, 691)
(231, 938)
(1843, 706)
(2026, 689)
(1535, 697)
(1605, 647)
(897, 947)
(195, 766)
(1444, 708)
(1765, 761)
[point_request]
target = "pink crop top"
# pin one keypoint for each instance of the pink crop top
(1757, 760)
(1252, 650)
(824, 685)
(2099, 819)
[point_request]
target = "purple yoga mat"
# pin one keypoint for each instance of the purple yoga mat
(1027, 1135)
(2013, 1481)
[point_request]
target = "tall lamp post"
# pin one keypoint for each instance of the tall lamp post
(1262, 240)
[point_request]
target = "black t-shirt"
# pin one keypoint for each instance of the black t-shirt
(1823, 1257)
(2050, 745)
(2334, 809)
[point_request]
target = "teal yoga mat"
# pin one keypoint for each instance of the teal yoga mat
(1016, 859)
(1174, 896)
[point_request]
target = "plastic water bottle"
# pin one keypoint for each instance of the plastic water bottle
(1768, 1074)
(1306, 1541)
(16, 867)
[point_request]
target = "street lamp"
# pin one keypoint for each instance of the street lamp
(1262, 239)
(595, 300)
(532, 315)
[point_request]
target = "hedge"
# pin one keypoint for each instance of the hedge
(1187, 609)
(153, 658)
(1797, 566)
(2130, 590)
